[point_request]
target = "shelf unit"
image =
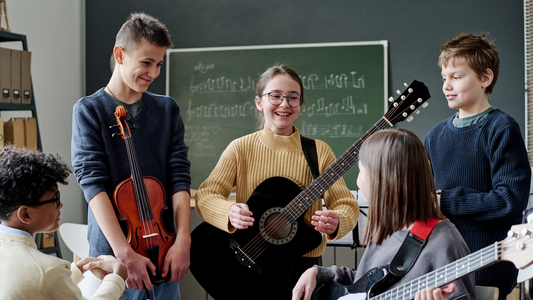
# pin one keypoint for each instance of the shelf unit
(13, 37)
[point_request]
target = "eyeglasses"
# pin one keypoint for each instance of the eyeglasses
(56, 199)
(276, 99)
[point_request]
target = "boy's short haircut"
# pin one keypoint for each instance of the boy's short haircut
(476, 50)
(141, 26)
(25, 175)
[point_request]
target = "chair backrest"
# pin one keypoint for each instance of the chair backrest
(75, 237)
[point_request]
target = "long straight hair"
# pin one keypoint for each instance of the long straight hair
(402, 189)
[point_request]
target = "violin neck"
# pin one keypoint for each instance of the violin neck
(141, 195)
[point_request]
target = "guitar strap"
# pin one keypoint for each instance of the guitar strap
(416, 239)
(311, 156)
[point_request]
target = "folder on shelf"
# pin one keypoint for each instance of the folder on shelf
(26, 77)
(1, 133)
(14, 132)
(16, 65)
(30, 133)
(5, 75)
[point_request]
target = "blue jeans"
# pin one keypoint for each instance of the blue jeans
(163, 291)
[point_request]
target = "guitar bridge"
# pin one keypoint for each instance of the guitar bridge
(243, 258)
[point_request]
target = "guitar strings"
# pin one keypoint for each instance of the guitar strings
(257, 245)
(455, 270)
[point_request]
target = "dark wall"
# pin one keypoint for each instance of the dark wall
(415, 31)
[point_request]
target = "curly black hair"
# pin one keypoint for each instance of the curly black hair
(25, 175)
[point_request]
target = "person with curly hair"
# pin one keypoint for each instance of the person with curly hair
(29, 204)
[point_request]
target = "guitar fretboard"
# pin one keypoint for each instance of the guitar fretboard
(446, 274)
(325, 180)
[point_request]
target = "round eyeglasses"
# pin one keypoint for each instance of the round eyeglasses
(276, 99)
(56, 199)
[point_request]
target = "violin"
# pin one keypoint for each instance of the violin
(140, 201)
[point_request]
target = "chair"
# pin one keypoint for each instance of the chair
(75, 238)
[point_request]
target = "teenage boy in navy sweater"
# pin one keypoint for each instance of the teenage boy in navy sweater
(101, 162)
(478, 156)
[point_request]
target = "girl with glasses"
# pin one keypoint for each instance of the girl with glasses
(274, 150)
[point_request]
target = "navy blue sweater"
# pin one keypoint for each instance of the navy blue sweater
(484, 174)
(101, 162)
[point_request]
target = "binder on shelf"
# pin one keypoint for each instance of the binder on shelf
(5, 75)
(16, 64)
(14, 132)
(30, 133)
(26, 77)
(1, 133)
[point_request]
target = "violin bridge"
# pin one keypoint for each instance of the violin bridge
(149, 235)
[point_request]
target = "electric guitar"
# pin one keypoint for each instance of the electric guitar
(258, 257)
(516, 248)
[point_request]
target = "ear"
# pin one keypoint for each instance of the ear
(24, 214)
(118, 53)
(486, 78)
(259, 103)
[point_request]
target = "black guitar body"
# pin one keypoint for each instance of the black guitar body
(373, 283)
(255, 262)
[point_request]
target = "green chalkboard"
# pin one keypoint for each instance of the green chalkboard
(345, 94)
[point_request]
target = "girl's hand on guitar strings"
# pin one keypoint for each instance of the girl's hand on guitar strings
(325, 221)
(442, 293)
(240, 216)
(305, 285)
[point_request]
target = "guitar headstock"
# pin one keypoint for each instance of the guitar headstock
(518, 246)
(407, 102)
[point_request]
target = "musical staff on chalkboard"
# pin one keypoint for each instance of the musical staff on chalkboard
(337, 130)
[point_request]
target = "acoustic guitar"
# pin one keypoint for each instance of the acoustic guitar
(516, 248)
(258, 257)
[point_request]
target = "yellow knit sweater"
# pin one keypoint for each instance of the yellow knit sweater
(249, 160)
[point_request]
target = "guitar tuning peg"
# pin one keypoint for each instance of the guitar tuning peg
(405, 84)
(410, 118)
(398, 92)
(391, 99)
(527, 232)
(410, 90)
(425, 104)
(513, 234)
(417, 111)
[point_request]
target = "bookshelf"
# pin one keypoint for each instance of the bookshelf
(13, 37)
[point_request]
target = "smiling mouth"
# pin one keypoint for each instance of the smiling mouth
(282, 114)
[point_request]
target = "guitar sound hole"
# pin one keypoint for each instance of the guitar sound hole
(277, 226)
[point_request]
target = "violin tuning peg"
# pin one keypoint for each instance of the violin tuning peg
(135, 126)
(116, 134)
(113, 126)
